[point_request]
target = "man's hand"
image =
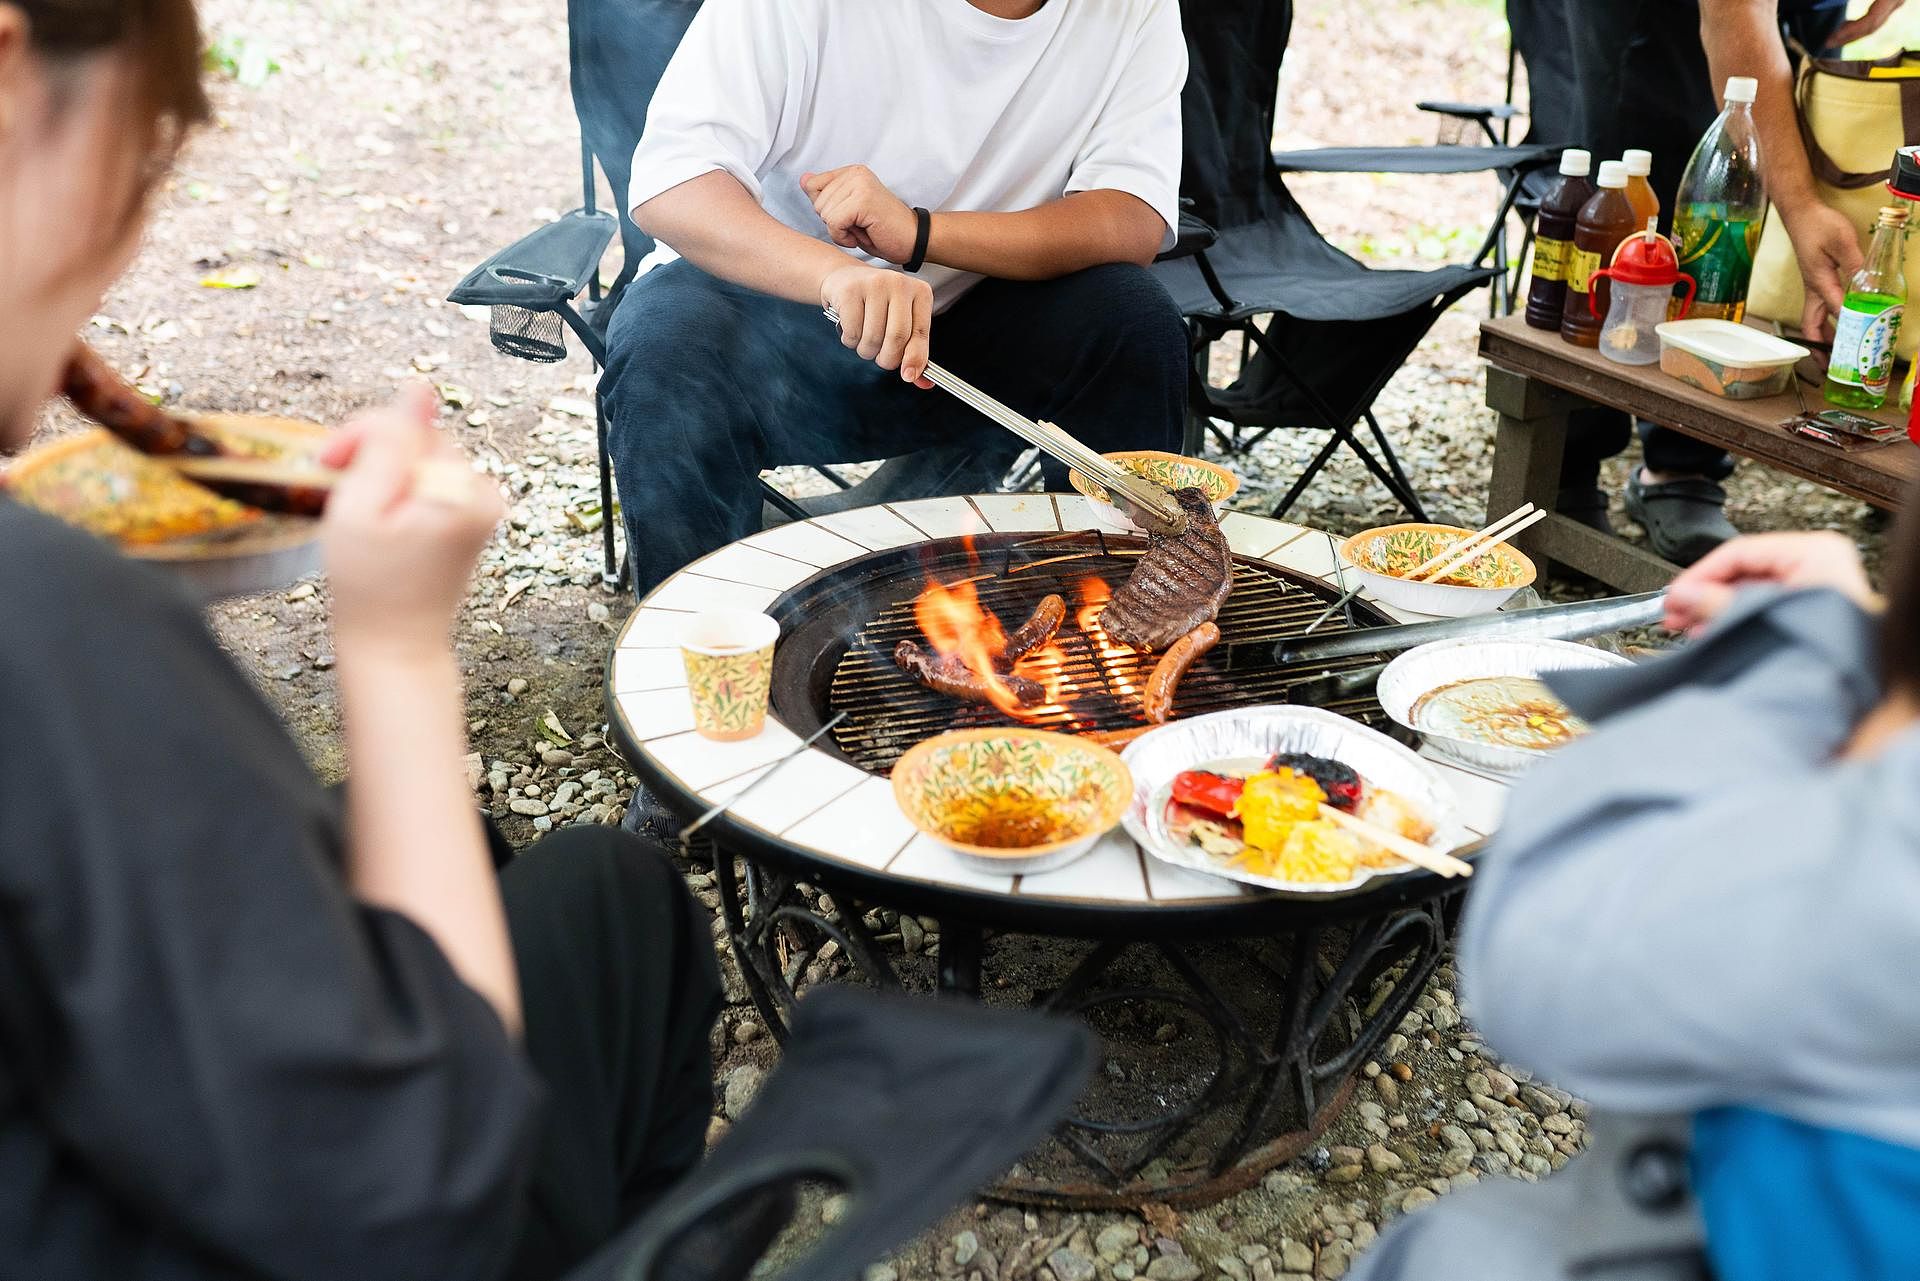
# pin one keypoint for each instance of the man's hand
(884, 315)
(1828, 248)
(861, 213)
(1791, 560)
(1864, 25)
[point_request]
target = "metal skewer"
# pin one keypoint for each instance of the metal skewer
(686, 833)
(1151, 506)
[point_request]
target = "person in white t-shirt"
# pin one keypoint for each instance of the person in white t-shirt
(979, 181)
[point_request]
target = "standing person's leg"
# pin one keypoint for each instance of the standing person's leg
(1101, 352)
(620, 989)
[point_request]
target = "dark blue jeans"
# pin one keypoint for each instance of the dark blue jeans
(707, 384)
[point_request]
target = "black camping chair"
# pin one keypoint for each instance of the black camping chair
(1321, 332)
(907, 1105)
(617, 51)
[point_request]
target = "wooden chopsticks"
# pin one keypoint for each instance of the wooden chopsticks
(1394, 843)
(440, 479)
(1476, 545)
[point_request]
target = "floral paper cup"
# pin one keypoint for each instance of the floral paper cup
(729, 658)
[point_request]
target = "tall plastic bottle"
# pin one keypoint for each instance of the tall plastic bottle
(1640, 192)
(1717, 215)
(1861, 369)
(1553, 239)
(1605, 220)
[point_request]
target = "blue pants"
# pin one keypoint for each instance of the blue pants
(708, 383)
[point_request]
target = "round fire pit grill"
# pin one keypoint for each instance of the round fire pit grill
(1234, 1021)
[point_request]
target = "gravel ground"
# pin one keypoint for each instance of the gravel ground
(367, 155)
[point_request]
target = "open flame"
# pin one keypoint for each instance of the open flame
(959, 627)
(1111, 657)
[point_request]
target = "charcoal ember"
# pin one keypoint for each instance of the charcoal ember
(1336, 778)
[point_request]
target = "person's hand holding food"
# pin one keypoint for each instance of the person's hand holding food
(403, 528)
(1794, 560)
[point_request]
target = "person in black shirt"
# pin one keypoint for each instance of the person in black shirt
(248, 1030)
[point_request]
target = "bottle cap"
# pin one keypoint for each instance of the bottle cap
(1612, 174)
(1905, 179)
(1645, 258)
(1639, 163)
(1893, 215)
(1741, 88)
(1576, 163)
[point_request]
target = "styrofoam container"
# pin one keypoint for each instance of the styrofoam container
(1727, 359)
(1425, 668)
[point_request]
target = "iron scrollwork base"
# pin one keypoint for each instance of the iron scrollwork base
(1286, 1023)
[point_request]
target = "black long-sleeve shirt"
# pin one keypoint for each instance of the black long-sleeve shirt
(214, 1062)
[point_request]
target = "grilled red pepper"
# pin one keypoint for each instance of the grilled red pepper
(1205, 790)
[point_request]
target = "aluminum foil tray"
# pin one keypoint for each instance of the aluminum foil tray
(1253, 734)
(1419, 671)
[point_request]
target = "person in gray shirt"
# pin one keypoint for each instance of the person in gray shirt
(1700, 918)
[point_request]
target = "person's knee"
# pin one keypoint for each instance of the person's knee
(1137, 315)
(587, 869)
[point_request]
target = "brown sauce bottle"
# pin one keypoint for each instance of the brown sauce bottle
(1553, 239)
(1605, 220)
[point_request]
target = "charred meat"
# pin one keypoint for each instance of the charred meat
(946, 674)
(1035, 632)
(1179, 583)
(1164, 682)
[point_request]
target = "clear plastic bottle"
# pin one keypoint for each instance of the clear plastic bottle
(1861, 369)
(1717, 215)
(1553, 239)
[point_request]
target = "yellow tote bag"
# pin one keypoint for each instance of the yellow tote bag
(1853, 116)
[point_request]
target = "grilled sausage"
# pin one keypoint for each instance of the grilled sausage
(1036, 631)
(1164, 681)
(102, 395)
(946, 674)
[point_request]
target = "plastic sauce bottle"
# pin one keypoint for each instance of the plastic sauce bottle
(1553, 239)
(1716, 217)
(1863, 338)
(1605, 220)
(1640, 193)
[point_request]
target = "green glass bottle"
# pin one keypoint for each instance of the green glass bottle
(1861, 370)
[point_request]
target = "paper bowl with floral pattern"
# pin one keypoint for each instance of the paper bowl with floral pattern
(729, 660)
(1169, 471)
(1382, 558)
(1015, 800)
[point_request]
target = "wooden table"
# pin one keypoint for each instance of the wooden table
(1534, 380)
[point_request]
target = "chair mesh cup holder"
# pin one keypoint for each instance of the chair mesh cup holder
(530, 335)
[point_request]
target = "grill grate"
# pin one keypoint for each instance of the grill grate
(888, 712)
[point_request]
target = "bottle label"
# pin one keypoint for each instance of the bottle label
(1863, 345)
(1581, 264)
(1550, 258)
(1717, 252)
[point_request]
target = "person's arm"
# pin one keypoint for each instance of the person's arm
(1695, 904)
(714, 223)
(1742, 38)
(398, 564)
(1079, 230)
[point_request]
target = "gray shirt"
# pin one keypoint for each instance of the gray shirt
(1695, 906)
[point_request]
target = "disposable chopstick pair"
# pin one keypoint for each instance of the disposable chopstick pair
(1481, 542)
(1144, 500)
(1412, 851)
(447, 479)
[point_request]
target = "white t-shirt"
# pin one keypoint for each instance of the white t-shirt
(952, 108)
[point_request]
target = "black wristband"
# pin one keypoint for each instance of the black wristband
(924, 228)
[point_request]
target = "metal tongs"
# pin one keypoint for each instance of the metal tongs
(1150, 506)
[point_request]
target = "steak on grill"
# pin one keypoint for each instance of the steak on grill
(1179, 583)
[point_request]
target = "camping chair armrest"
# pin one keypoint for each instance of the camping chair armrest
(1192, 236)
(1416, 160)
(1480, 111)
(544, 268)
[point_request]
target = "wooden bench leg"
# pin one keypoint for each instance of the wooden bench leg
(1529, 448)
